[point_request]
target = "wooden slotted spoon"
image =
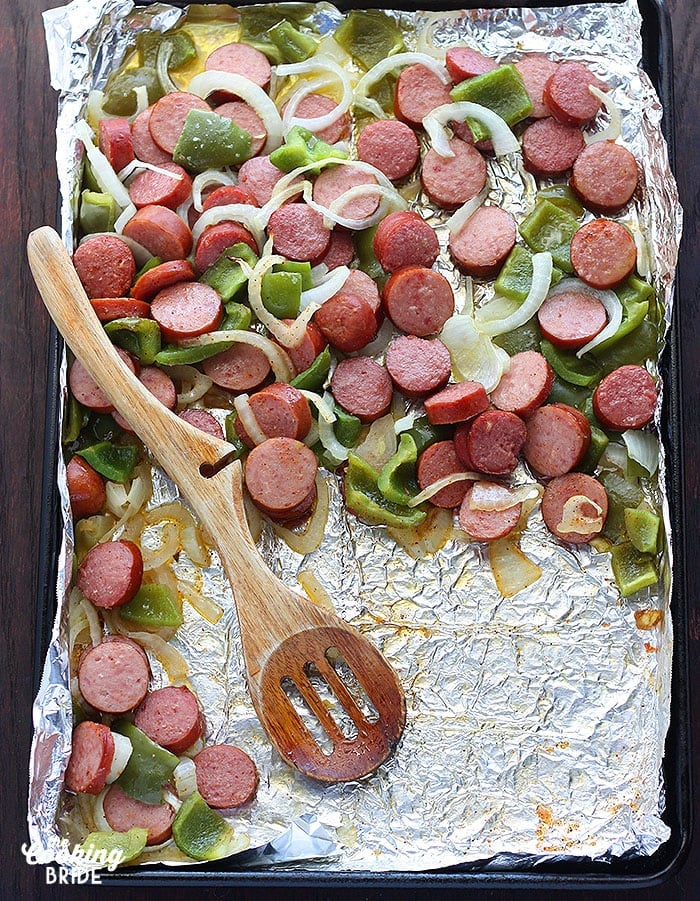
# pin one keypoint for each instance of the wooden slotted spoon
(286, 638)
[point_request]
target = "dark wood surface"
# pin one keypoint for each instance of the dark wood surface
(27, 121)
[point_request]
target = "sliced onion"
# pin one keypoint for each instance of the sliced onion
(458, 219)
(309, 538)
(325, 65)
(185, 778)
(279, 360)
(512, 570)
(643, 256)
(614, 458)
(468, 308)
(425, 44)
(444, 482)
(93, 621)
(135, 499)
(123, 750)
(193, 383)
(168, 544)
(311, 437)
(262, 216)
(141, 93)
(91, 530)
(324, 404)
(171, 659)
(206, 178)
(321, 292)
(287, 179)
(183, 211)
(504, 141)
(245, 213)
(205, 607)
(474, 356)
(433, 533)
(541, 277)
(404, 423)
(207, 82)
(489, 496)
(610, 300)
(613, 129)
(389, 199)
(643, 448)
(319, 273)
(98, 811)
(396, 61)
(248, 419)
(165, 51)
(126, 214)
(287, 335)
(136, 165)
(105, 176)
(380, 444)
(316, 592)
(326, 433)
(573, 519)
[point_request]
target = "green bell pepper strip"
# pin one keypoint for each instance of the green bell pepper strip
(397, 480)
(632, 570)
(74, 418)
(210, 141)
(271, 51)
(120, 96)
(643, 529)
(423, 434)
(201, 832)
(599, 441)
(634, 296)
(515, 278)
(98, 212)
(526, 337)
(563, 197)
(147, 266)
(257, 20)
(369, 36)
(293, 45)
(237, 316)
(103, 427)
(367, 261)
(365, 500)
(89, 180)
(641, 344)
(153, 606)
(501, 90)
(312, 379)
(114, 848)
(149, 766)
(583, 372)
(549, 228)
(622, 493)
(148, 43)
(565, 393)
(140, 337)
(303, 269)
(302, 148)
(281, 294)
(233, 437)
(116, 462)
(347, 428)
(226, 275)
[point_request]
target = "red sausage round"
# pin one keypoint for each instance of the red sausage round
(161, 387)
(605, 176)
(160, 231)
(361, 285)
(550, 148)
(110, 308)
(171, 718)
(526, 384)
(280, 475)
(240, 368)
(332, 183)
(313, 106)
(464, 62)
(419, 301)
(450, 181)
(603, 253)
(346, 321)
(226, 776)
(115, 142)
(536, 70)
(405, 239)
(481, 246)
(86, 488)
(113, 675)
(111, 573)
(625, 399)
(495, 440)
(298, 232)
(460, 436)
(561, 490)
(186, 310)
(91, 758)
(362, 388)
(215, 239)
(171, 273)
(227, 194)
(487, 525)
(145, 148)
(341, 250)
(168, 117)
(281, 411)
(567, 97)
(123, 813)
(86, 391)
(151, 187)
(303, 355)
(456, 403)
(437, 461)
(259, 177)
(418, 91)
(105, 266)
(418, 367)
(202, 419)
(245, 117)
(390, 146)
(241, 59)
(570, 319)
(557, 440)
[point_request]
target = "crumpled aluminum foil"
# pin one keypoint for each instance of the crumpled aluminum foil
(536, 724)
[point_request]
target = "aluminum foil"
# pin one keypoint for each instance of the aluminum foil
(536, 723)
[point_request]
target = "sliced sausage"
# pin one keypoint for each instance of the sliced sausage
(535, 70)
(419, 301)
(460, 436)
(313, 106)
(123, 813)
(259, 177)
(332, 183)
(625, 399)
(450, 181)
(245, 117)
(362, 388)
(86, 488)
(605, 176)
(303, 355)
(113, 675)
(215, 239)
(161, 231)
(570, 319)
(575, 485)
(603, 253)
(341, 250)
(481, 245)
(418, 91)
(145, 148)
(240, 368)
(487, 525)
(163, 276)
(202, 419)
(456, 403)
(464, 62)
(495, 440)
(115, 142)
(226, 776)
(111, 573)
(567, 97)
(168, 117)
(298, 232)
(87, 392)
(418, 367)
(241, 59)
(280, 475)
(347, 321)
(105, 266)
(405, 239)
(556, 441)
(151, 187)
(171, 718)
(91, 757)
(110, 308)
(281, 411)
(390, 146)
(526, 384)
(227, 194)
(186, 310)
(551, 148)
(361, 285)
(161, 387)
(437, 461)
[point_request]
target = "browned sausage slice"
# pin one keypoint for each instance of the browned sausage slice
(161, 387)
(145, 148)
(226, 194)
(186, 310)
(556, 440)
(418, 367)
(605, 176)
(570, 319)
(625, 399)
(246, 118)
(603, 253)
(161, 231)
(456, 403)
(168, 117)
(91, 758)
(240, 368)
(419, 301)
(86, 488)
(461, 434)
(280, 475)
(111, 573)
(116, 142)
(362, 388)
(105, 266)
(202, 419)
(113, 675)
(405, 239)
(298, 232)
(87, 392)
(551, 148)
(171, 718)
(281, 411)
(151, 187)
(464, 62)
(314, 106)
(418, 91)
(341, 250)
(241, 59)
(347, 321)
(563, 490)
(124, 813)
(450, 181)
(171, 273)
(437, 461)
(215, 239)
(567, 97)
(332, 183)
(110, 308)
(526, 384)
(226, 776)
(535, 70)
(390, 146)
(495, 440)
(303, 355)
(487, 525)
(481, 245)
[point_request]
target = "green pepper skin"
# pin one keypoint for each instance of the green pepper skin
(397, 481)
(621, 493)
(74, 418)
(632, 570)
(501, 90)
(599, 441)
(98, 212)
(154, 606)
(281, 294)
(549, 228)
(226, 275)
(99, 846)
(640, 345)
(294, 46)
(367, 261)
(643, 529)
(423, 434)
(526, 337)
(210, 141)
(312, 379)
(116, 462)
(148, 43)
(635, 306)
(120, 96)
(369, 36)
(303, 269)
(565, 393)
(199, 831)
(563, 197)
(238, 317)
(347, 428)
(233, 437)
(140, 337)
(567, 366)
(147, 266)
(365, 500)
(149, 766)
(515, 278)
(302, 148)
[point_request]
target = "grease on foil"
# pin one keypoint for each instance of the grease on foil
(536, 723)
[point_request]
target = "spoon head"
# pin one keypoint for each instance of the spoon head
(330, 703)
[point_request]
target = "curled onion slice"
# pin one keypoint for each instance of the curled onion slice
(279, 360)
(309, 537)
(206, 178)
(458, 219)
(245, 213)
(127, 213)
(396, 61)
(193, 383)
(380, 444)
(123, 750)
(489, 320)
(262, 217)
(504, 141)
(326, 433)
(184, 778)
(512, 570)
(205, 607)
(324, 404)
(105, 176)
(643, 448)
(136, 165)
(489, 496)
(207, 82)
(250, 423)
(325, 65)
(141, 255)
(613, 129)
(444, 482)
(610, 300)
(316, 592)
(474, 356)
(574, 519)
(321, 292)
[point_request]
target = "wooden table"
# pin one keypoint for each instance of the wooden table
(27, 120)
